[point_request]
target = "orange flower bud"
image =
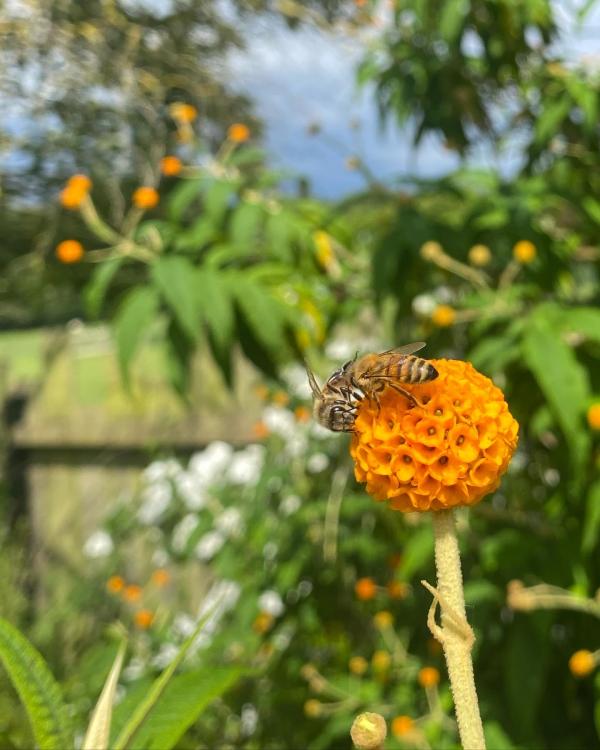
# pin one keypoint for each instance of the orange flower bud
(132, 593)
(443, 316)
(381, 661)
(430, 250)
(358, 665)
(480, 255)
(143, 619)
(450, 449)
(313, 708)
(115, 584)
(170, 166)
(397, 589)
(524, 251)
(80, 182)
(365, 589)
(582, 663)
(428, 677)
(160, 577)
(69, 251)
(182, 112)
(263, 622)
(402, 725)
(72, 196)
(238, 132)
(593, 416)
(145, 197)
(383, 620)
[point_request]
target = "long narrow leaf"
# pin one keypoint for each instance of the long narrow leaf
(38, 690)
(98, 732)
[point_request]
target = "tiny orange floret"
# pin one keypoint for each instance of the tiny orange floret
(402, 725)
(397, 589)
(365, 589)
(383, 620)
(428, 677)
(582, 663)
(449, 449)
(443, 316)
(593, 416)
(143, 619)
(524, 251)
(263, 622)
(145, 197)
(238, 132)
(281, 398)
(302, 414)
(260, 430)
(170, 166)
(160, 577)
(132, 593)
(69, 251)
(115, 584)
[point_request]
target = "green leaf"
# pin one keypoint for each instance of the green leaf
(495, 737)
(281, 232)
(264, 316)
(97, 287)
(98, 732)
(202, 232)
(131, 323)
(592, 208)
(175, 277)
(182, 197)
(417, 554)
(180, 705)
(245, 225)
(549, 121)
(584, 320)
(591, 523)
(480, 592)
(494, 219)
(37, 689)
(216, 306)
(218, 198)
(179, 348)
(562, 380)
(452, 18)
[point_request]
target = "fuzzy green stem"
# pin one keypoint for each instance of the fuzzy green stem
(455, 634)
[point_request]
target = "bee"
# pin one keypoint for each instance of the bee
(336, 403)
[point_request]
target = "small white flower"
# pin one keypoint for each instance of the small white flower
(183, 625)
(191, 490)
(245, 466)
(248, 719)
(296, 444)
(339, 349)
(551, 477)
(155, 500)
(229, 522)
(134, 670)
(424, 304)
(160, 558)
(183, 531)
(209, 545)
(159, 470)
(297, 381)
(289, 505)
(221, 597)
(318, 431)
(282, 640)
(271, 603)
(166, 654)
(317, 462)
(279, 421)
(270, 551)
(444, 294)
(304, 588)
(208, 466)
(99, 544)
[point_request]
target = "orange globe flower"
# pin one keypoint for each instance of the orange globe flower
(182, 112)
(115, 584)
(449, 450)
(365, 589)
(145, 197)
(80, 181)
(170, 166)
(132, 593)
(69, 251)
(582, 663)
(428, 677)
(480, 255)
(524, 251)
(143, 619)
(593, 416)
(402, 725)
(72, 197)
(238, 132)
(443, 316)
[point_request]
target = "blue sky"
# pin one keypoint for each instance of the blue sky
(300, 77)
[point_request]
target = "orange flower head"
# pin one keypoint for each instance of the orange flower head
(402, 725)
(72, 196)
(381, 661)
(160, 577)
(115, 584)
(593, 416)
(263, 622)
(238, 132)
(365, 589)
(582, 663)
(428, 677)
(358, 665)
(145, 197)
(450, 449)
(143, 619)
(132, 593)
(80, 182)
(302, 414)
(383, 620)
(443, 316)
(397, 589)
(170, 166)
(69, 251)
(182, 112)
(480, 255)
(524, 251)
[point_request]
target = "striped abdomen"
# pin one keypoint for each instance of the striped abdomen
(409, 369)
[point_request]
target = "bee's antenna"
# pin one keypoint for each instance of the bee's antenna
(314, 386)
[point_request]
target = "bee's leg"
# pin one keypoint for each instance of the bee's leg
(405, 393)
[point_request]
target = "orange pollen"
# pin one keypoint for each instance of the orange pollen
(450, 448)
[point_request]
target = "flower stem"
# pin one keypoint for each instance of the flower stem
(455, 635)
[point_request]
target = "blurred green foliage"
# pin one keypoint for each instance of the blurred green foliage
(227, 254)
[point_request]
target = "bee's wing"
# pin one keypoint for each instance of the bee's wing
(402, 351)
(314, 386)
